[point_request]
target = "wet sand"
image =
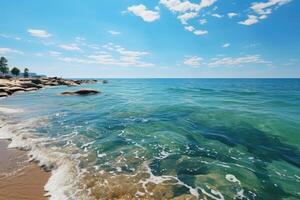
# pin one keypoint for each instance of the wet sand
(20, 179)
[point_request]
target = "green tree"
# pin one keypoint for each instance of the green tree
(15, 71)
(26, 73)
(3, 65)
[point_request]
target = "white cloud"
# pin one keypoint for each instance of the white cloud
(186, 10)
(291, 62)
(265, 8)
(200, 32)
(252, 19)
(70, 47)
(55, 53)
(217, 15)
(146, 15)
(39, 33)
(9, 37)
(263, 17)
(5, 51)
(196, 61)
(193, 61)
(202, 21)
(186, 16)
(237, 61)
(186, 6)
(252, 45)
(113, 55)
(189, 28)
(226, 45)
(114, 32)
(231, 14)
(180, 6)
(80, 40)
(74, 60)
(206, 3)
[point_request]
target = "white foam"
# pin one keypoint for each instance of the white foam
(63, 181)
(65, 175)
(101, 155)
(163, 154)
(214, 194)
(87, 144)
(139, 194)
(232, 178)
(240, 195)
(9, 110)
(160, 179)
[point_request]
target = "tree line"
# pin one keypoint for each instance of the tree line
(4, 69)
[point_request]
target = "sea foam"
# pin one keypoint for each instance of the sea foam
(64, 179)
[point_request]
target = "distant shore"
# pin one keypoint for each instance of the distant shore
(9, 86)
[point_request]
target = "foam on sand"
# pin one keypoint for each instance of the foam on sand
(64, 170)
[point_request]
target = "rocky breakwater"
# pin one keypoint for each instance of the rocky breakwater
(12, 85)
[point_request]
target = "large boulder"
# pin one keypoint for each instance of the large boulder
(3, 85)
(5, 90)
(36, 81)
(52, 83)
(81, 92)
(16, 89)
(68, 83)
(30, 85)
(3, 94)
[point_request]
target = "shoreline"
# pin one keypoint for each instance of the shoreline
(19, 177)
(9, 86)
(22, 175)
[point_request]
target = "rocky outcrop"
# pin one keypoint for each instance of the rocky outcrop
(8, 86)
(28, 84)
(3, 94)
(81, 92)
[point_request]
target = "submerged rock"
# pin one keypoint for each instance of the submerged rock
(81, 92)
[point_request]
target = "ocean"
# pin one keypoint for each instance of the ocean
(163, 138)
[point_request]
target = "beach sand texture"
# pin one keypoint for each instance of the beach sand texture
(20, 179)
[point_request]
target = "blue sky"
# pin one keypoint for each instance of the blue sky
(157, 38)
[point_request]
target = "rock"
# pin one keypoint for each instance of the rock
(23, 79)
(52, 83)
(81, 92)
(8, 86)
(31, 89)
(36, 81)
(3, 94)
(68, 83)
(105, 81)
(16, 89)
(6, 90)
(30, 85)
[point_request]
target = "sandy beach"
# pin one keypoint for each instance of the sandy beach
(19, 178)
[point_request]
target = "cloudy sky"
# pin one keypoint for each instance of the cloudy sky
(157, 38)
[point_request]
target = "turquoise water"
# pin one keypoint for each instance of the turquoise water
(171, 138)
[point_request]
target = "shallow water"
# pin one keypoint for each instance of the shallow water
(164, 138)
